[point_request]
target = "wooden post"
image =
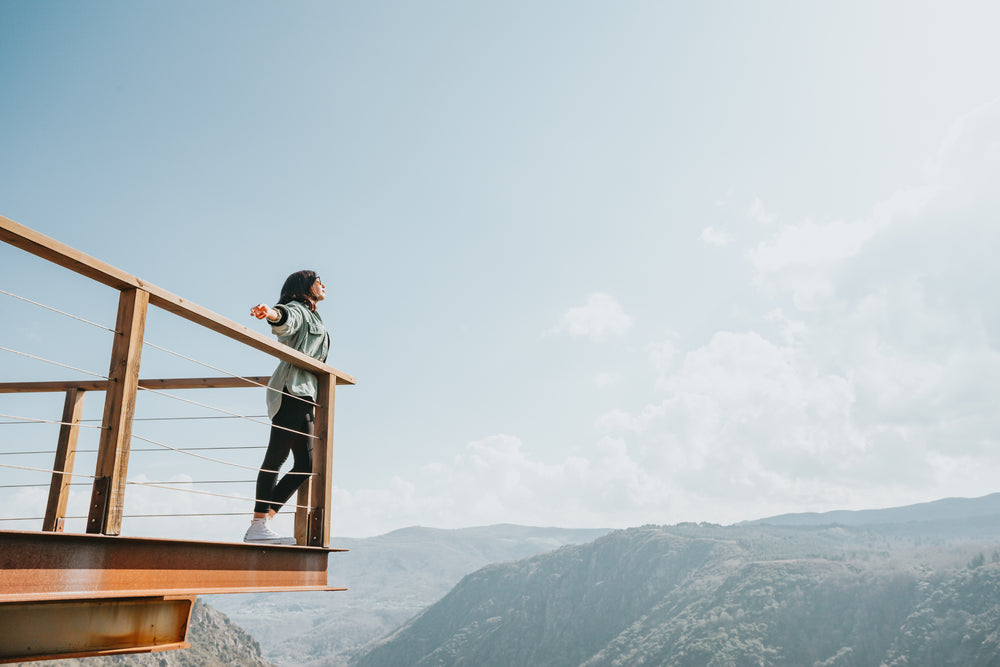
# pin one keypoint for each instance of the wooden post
(108, 496)
(312, 526)
(302, 513)
(55, 511)
(319, 528)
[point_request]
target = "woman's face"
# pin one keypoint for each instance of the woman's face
(318, 290)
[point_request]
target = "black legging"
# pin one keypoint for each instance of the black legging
(296, 415)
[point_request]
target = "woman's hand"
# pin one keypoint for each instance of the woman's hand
(261, 312)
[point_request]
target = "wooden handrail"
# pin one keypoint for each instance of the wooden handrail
(59, 253)
(159, 383)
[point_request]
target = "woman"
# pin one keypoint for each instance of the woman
(291, 396)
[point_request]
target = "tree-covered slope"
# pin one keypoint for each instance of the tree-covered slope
(956, 623)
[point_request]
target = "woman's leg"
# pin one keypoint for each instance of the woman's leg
(301, 446)
(296, 418)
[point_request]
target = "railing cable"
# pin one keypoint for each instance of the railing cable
(32, 420)
(207, 481)
(56, 310)
(51, 472)
(179, 419)
(158, 419)
(196, 481)
(158, 485)
(170, 516)
(209, 458)
(201, 449)
(234, 414)
(38, 486)
(230, 374)
(209, 493)
(37, 518)
(54, 363)
(134, 450)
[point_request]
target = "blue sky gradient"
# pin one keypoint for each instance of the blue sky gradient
(593, 264)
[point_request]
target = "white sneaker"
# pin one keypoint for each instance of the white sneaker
(260, 532)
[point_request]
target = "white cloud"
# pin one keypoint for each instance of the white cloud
(970, 146)
(811, 243)
(598, 319)
(748, 428)
(494, 480)
(791, 330)
(662, 354)
(801, 258)
(757, 212)
(712, 236)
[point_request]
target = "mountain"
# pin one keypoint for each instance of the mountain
(948, 509)
(390, 578)
(925, 593)
(215, 642)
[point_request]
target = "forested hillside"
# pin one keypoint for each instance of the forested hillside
(908, 594)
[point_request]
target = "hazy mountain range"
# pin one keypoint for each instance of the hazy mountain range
(909, 586)
(916, 585)
(948, 509)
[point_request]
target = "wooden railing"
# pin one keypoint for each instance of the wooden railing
(312, 520)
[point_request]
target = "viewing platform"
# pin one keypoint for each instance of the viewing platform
(97, 592)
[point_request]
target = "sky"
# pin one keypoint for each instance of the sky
(593, 264)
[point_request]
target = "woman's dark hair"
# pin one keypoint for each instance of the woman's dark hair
(298, 287)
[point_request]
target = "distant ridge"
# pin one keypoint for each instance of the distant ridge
(947, 509)
(924, 591)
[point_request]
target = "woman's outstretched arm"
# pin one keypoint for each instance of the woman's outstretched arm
(263, 312)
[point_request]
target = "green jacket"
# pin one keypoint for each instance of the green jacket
(301, 329)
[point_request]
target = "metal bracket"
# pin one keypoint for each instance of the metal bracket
(99, 505)
(315, 527)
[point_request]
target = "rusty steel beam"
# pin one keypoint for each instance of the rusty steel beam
(79, 628)
(61, 566)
